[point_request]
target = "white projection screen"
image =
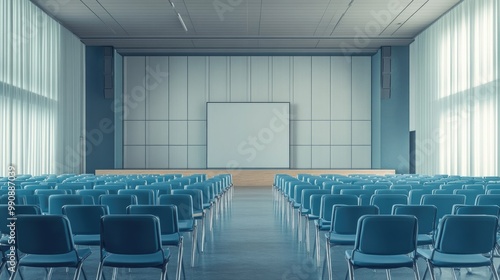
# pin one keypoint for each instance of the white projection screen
(248, 135)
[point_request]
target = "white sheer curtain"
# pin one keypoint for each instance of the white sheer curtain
(454, 79)
(41, 92)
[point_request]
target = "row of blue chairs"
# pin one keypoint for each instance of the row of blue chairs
(138, 239)
(315, 203)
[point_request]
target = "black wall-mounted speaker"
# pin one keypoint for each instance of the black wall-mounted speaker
(385, 72)
(109, 90)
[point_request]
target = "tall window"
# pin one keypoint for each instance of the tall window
(41, 92)
(454, 79)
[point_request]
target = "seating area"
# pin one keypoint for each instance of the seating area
(327, 233)
(72, 214)
(351, 211)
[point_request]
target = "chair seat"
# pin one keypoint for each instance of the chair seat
(379, 261)
(340, 239)
(454, 260)
(137, 261)
(87, 239)
(170, 239)
(186, 225)
(312, 217)
(59, 260)
(424, 239)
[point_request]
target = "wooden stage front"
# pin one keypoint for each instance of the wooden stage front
(247, 177)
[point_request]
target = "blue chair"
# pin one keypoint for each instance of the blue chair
(325, 214)
(454, 247)
(493, 210)
(384, 242)
(47, 241)
(144, 197)
(132, 241)
(117, 203)
(426, 216)
(415, 195)
(169, 224)
(42, 196)
(57, 201)
(71, 187)
(306, 210)
(470, 195)
(184, 203)
(384, 202)
(111, 188)
(93, 193)
(85, 222)
(343, 228)
(488, 199)
(443, 202)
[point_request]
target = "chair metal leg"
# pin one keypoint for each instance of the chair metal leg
(99, 271)
(431, 270)
(328, 257)
(179, 259)
(115, 272)
(388, 274)
(415, 270)
(202, 247)
(308, 237)
(77, 271)
(494, 271)
(351, 270)
(299, 226)
(193, 250)
(49, 275)
(318, 246)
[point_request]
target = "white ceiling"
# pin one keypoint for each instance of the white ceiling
(246, 26)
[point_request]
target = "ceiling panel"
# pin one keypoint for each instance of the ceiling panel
(246, 26)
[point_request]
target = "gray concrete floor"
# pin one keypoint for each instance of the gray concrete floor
(250, 241)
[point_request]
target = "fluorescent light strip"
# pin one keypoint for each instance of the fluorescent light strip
(182, 22)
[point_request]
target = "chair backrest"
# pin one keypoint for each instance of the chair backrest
(306, 197)
(298, 191)
(406, 187)
(386, 234)
(470, 195)
(443, 202)
(474, 187)
(476, 210)
(111, 188)
(328, 201)
(144, 197)
(455, 231)
(6, 214)
(345, 217)
(72, 187)
(130, 234)
(415, 195)
(205, 189)
(167, 214)
(85, 219)
(184, 203)
(44, 234)
(337, 189)
(392, 191)
(93, 193)
(488, 199)
(384, 202)
(117, 203)
(57, 201)
(426, 216)
(197, 196)
(489, 187)
(374, 187)
(159, 188)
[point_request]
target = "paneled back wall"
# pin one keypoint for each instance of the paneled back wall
(164, 114)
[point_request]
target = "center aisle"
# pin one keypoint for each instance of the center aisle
(249, 242)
